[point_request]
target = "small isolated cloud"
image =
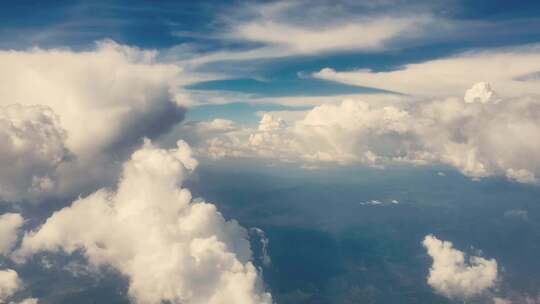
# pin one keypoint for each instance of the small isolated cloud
(379, 203)
(455, 276)
(171, 249)
(517, 214)
(9, 283)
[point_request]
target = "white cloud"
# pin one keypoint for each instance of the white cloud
(521, 175)
(517, 214)
(454, 276)
(480, 92)
(280, 32)
(104, 101)
(32, 146)
(483, 136)
(290, 39)
(10, 283)
(501, 301)
(9, 226)
(170, 247)
(379, 203)
(506, 69)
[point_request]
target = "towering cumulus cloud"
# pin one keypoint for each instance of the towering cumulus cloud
(170, 247)
(453, 276)
(97, 104)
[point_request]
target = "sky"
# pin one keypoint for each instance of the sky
(260, 152)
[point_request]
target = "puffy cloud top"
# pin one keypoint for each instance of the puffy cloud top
(32, 146)
(480, 92)
(453, 276)
(9, 283)
(104, 101)
(170, 248)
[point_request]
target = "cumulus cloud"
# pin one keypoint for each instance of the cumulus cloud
(170, 247)
(97, 104)
(481, 135)
(454, 276)
(506, 69)
(10, 283)
(480, 92)
(9, 226)
(32, 146)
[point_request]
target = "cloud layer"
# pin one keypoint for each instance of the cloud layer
(170, 247)
(481, 135)
(513, 71)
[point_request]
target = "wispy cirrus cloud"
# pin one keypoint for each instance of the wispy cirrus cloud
(510, 70)
(282, 29)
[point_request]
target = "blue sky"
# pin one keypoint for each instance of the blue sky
(188, 28)
(277, 152)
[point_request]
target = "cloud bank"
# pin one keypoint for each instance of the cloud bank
(170, 247)
(481, 135)
(455, 277)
